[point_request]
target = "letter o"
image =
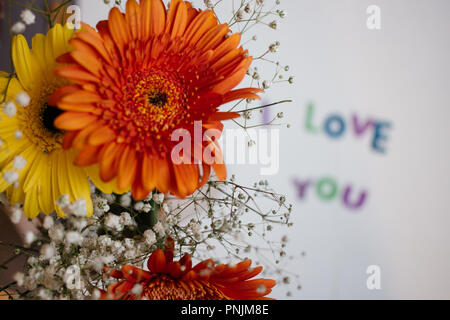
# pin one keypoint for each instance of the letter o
(334, 126)
(326, 189)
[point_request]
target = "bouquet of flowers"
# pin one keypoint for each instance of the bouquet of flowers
(110, 143)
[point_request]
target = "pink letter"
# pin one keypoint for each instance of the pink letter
(360, 129)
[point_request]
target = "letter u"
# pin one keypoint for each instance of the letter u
(355, 205)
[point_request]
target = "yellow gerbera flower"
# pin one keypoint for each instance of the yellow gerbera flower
(35, 169)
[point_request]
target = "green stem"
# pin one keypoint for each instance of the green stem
(28, 7)
(264, 106)
(48, 14)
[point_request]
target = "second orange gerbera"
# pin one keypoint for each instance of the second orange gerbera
(179, 280)
(143, 75)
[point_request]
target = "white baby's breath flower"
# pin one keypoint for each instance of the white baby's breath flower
(63, 200)
(28, 16)
(103, 242)
(47, 251)
(125, 219)
(196, 228)
(18, 134)
(150, 237)
(138, 206)
(129, 243)
(16, 215)
(79, 208)
(10, 109)
(19, 278)
(112, 221)
(56, 232)
(74, 237)
(107, 259)
(159, 228)
(100, 205)
(147, 208)
(10, 176)
(48, 222)
(125, 200)
(166, 208)
(209, 4)
(158, 197)
(23, 99)
(19, 162)
(30, 237)
(18, 27)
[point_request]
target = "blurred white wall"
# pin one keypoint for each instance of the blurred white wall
(398, 74)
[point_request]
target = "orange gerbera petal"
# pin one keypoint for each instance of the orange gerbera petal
(109, 157)
(75, 73)
(142, 76)
(246, 93)
(74, 120)
(219, 116)
(127, 168)
(88, 156)
(162, 175)
(168, 279)
(177, 26)
(80, 140)
(101, 136)
(133, 17)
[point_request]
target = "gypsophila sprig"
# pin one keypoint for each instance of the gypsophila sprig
(249, 18)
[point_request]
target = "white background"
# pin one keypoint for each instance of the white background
(400, 74)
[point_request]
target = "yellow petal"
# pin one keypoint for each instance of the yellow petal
(38, 50)
(55, 157)
(78, 182)
(24, 63)
(105, 187)
(31, 207)
(16, 194)
(13, 86)
(44, 182)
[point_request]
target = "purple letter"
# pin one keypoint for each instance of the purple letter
(356, 205)
(360, 129)
(301, 187)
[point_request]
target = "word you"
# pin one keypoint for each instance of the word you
(327, 189)
(335, 126)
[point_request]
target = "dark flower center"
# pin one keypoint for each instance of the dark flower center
(158, 98)
(49, 114)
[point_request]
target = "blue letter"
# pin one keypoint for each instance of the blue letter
(335, 131)
(379, 136)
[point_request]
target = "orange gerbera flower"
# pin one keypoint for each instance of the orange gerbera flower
(178, 280)
(145, 74)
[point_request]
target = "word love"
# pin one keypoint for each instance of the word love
(335, 126)
(327, 189)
